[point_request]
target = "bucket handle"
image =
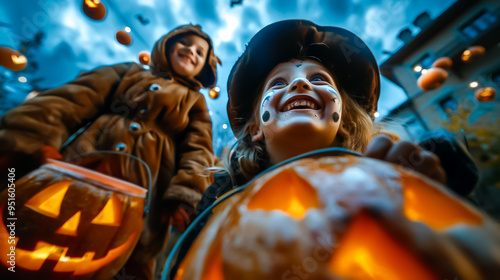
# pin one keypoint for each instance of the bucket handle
(150, 180)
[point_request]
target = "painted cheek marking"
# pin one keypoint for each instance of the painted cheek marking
(265, 100)
(265, 116)
(336, 117)
(268, 96)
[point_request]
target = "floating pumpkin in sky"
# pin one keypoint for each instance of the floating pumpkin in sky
(473, 53)
(214, 93)
(12, 59)
(485, 94)
(343, 217)
(123, 37)
(432, 79)
(69, 222)
(144, 58)
(443, 63)
(94, 9)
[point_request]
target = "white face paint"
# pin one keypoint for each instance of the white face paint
(300, 105)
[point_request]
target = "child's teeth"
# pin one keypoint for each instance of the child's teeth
(303, 103)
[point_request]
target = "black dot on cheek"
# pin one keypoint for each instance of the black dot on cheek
(336, 117)
(265, 116)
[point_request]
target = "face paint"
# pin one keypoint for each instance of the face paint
(268, 96)
(336, 117)
(298, 65)
(265, 116)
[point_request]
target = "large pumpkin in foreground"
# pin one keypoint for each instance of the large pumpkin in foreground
(344, 217)
(68, 222)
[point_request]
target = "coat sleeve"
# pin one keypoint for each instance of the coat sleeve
(52, 116)
(195, 153)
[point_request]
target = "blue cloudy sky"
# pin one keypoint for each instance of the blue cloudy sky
(74, 42)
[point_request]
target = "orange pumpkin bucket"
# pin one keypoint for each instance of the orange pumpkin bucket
(68, 221)
(321, 216)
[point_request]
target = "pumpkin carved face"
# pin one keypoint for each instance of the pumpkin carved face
(70, 223)
(348, 217)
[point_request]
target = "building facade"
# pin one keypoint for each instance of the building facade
(468, 33)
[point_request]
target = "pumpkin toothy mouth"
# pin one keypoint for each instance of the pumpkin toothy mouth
(34, 260)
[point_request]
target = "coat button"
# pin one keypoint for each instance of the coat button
(120, 147)
(154, 87)
(134, 126)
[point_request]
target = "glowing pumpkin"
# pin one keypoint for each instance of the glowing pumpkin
(473, 53)
(443, 63)
(485, 94)
(432, 79)
(144, 58)
(123, 37)
(343, 217)
(94, 9)
(69, 222)
(12, 59)
(214, 93)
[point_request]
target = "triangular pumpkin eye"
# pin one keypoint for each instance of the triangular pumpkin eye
(48, 201)
(70, 226)
(111, 214)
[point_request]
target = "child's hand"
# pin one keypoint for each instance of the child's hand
(408, 155)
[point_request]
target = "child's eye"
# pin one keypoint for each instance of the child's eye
(278, 83)
(318, 78)
(199, 53)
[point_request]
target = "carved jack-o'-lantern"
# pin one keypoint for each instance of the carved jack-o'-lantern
(347, 217)
(67, 221)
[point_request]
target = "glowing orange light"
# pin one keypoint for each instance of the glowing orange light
(286, 192)
(367, 251)
(94, 9)
(48, 202)
(33, 260)
(472, 53)
(111, 214)
(12, 59)
(144, 58)
(71, 225)
(214, 269)
(485, 94)
(214, 93)
(429, 205)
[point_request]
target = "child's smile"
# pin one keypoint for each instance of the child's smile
(300, 106)
(188, 55)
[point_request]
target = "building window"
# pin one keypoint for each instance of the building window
(423, 64)
(495, 77)
(414, 129)
(449, 105)
(479, 24)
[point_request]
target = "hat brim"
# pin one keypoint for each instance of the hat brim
(344, 54)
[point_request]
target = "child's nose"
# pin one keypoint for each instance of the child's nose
(300, 85)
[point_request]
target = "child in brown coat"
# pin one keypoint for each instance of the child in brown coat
(157, 115)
